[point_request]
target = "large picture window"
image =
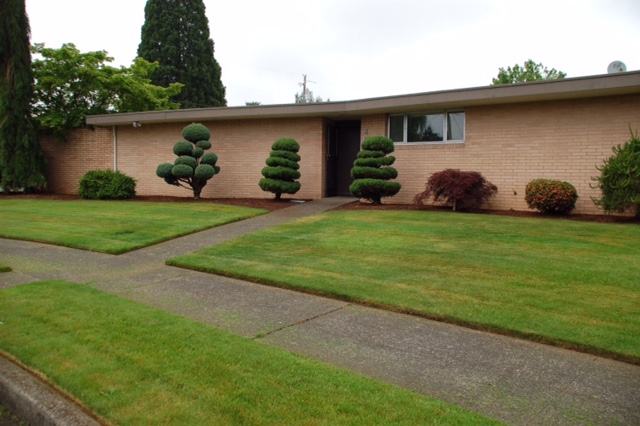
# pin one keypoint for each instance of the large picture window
(440, 127)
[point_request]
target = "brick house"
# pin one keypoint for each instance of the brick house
(511, 134)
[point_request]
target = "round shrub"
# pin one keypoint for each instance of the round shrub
(287, 155)
(282, 162)
(551, 196)
(183, 148)
(209, 158)
(371, 189)
(385, 173)
(196, 132)
(205, 172)
(278, 186)
(282, 173)
(107, 185)
(164, 170)
(378, 143)
(197, 152)
(203, 144)
(370, 154)
(185, 159)
(286, 144)
(376, 162)
(182, 171)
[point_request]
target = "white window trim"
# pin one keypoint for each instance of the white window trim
(404, 141)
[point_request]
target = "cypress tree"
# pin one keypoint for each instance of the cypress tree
(22, 162)
(176, 34)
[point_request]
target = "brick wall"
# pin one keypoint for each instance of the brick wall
(514, 144)
(509, 144)
(242, 147)
(68, 161)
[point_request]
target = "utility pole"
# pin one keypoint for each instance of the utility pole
(305, 91)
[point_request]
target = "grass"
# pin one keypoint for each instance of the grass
(4, 268)
(569, 283)
(132, 364)
(111, 226)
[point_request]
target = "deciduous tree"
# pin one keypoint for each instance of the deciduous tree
(22, 162)
(530, 71)
(176, 35)
(71, 85)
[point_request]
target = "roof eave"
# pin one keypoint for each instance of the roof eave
(573, 88)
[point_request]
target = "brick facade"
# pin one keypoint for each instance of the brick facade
(516, 143)
(68, 161)
(509, 144)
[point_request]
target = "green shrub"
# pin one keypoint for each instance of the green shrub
(183, 148)
(188, 160)
(619, 179)
(182, 171)
(551, 196)
(209, 158)
(374, 189)
(459, 189)
(282, 168)
(371, 171)
(193, 168)
(106, 185)
(196, 132)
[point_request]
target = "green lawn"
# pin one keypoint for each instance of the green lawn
(558, 281)
(134, 365)
(111, 226)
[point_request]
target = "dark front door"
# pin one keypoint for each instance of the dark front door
(343, 144)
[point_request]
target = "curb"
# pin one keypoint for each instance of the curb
(35, 401)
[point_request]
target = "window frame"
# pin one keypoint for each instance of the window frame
(445, 130)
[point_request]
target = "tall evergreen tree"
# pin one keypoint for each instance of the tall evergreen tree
(176, 34)
(22, 161)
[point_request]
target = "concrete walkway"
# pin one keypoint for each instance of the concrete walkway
(516, 381)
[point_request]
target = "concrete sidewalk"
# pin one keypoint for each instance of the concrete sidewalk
(516, 381)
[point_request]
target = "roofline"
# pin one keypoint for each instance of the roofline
(568, 88)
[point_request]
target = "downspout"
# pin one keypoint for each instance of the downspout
(115, 148)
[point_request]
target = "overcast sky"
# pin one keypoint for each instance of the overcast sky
(356, 49)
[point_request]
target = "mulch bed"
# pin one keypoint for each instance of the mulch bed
(271, 205)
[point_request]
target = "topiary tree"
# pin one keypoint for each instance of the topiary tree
(193, 168)
(619, 179)
(459, 189)
(551, 196)
(372, 170)
(282, 168)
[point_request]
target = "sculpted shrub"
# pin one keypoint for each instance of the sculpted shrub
(459, 189)
(551, 196)
(282, 168)
(193, 168)
(372, 170)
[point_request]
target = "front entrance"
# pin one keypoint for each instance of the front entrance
(343, 145)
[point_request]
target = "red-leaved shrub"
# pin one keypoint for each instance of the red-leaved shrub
(458, 189)
(551, 196)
